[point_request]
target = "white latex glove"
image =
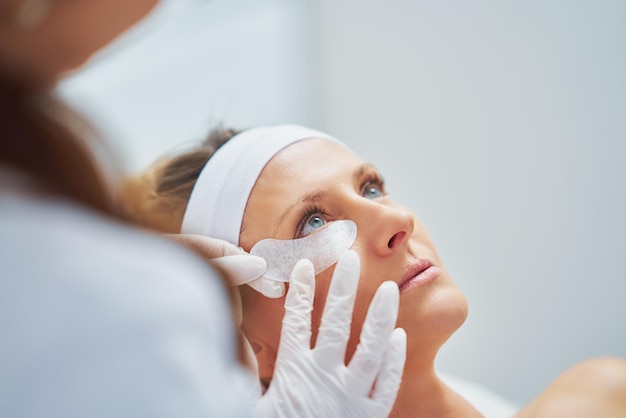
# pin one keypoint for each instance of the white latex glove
(241, 266)
(316, 382)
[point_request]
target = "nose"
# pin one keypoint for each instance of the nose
(386, 229)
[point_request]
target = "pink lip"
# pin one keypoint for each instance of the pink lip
(417, 274)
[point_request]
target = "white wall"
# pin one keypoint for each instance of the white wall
(194, 64)
(502, 125)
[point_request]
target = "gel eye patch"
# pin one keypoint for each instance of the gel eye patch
(323, 248)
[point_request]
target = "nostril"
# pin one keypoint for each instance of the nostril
(397, 238)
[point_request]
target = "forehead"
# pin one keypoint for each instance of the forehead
(305, 167)
(309, 159)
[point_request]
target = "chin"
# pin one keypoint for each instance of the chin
(431, 321)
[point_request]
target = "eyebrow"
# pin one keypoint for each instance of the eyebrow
(318, 196)
(312, 197)
(360, 172)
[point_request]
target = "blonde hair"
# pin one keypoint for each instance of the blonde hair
(158, 197)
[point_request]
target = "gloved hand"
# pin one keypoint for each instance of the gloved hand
(316, 382)
(242, 267)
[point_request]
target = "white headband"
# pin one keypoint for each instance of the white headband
(219, 197)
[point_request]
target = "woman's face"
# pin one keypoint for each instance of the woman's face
(316, 181)
(69, 33)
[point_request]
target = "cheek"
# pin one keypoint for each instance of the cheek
(92, 26)
(262, 317)
(365, 292)
(421, 234)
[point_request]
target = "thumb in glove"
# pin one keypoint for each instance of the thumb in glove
(242, 267)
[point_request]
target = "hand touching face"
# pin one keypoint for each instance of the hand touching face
(315, 182)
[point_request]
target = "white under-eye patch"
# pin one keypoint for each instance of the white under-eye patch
(323, 248)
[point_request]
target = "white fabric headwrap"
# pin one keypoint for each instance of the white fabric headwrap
(219, 197)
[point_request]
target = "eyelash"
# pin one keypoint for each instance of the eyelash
(309, 211)
(373, 179)
(370, 179)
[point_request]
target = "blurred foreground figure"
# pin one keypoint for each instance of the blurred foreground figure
(100, 318)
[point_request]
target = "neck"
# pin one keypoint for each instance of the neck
(423, 394)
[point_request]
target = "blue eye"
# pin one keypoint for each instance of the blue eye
(372, 191)
(313, 222)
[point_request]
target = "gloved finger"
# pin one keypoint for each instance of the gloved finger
(379, 323)
(241, 268)
(268, 288)
(334, 329)
(390, 376)
(209, 247)
(296, 331)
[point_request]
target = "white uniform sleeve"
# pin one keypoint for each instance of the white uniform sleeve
(99, 320)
